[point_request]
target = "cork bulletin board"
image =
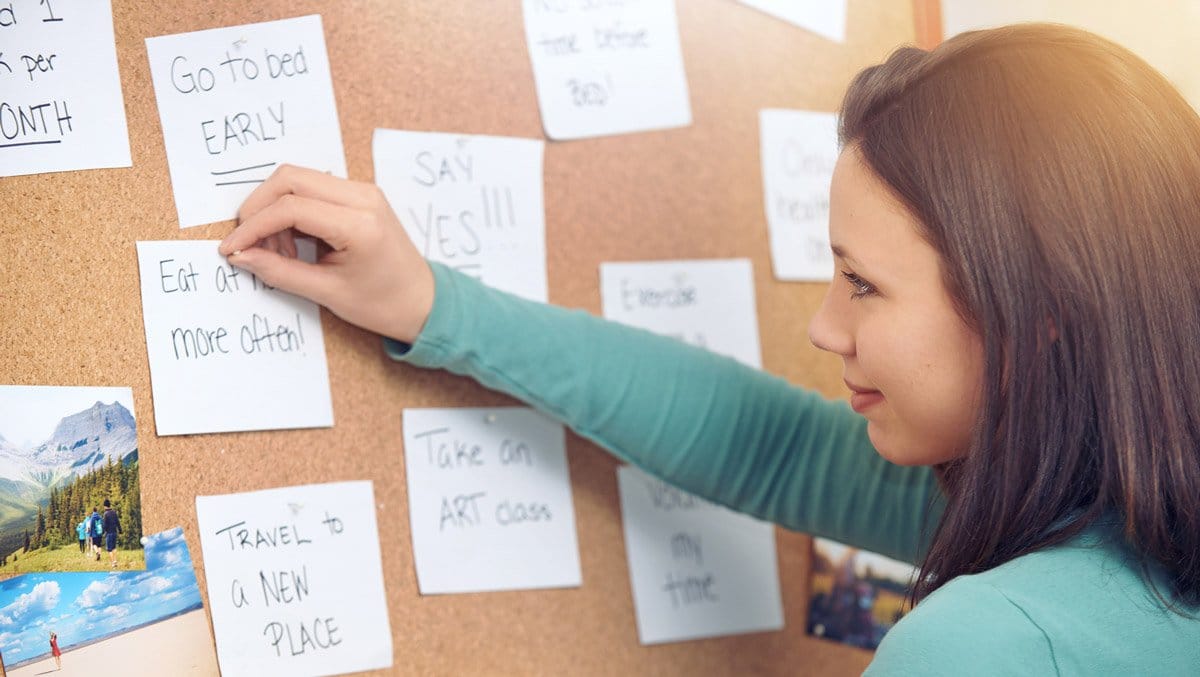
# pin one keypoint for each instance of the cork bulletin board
(71, 311)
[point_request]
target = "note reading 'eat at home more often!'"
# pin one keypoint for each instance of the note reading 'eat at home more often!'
(606, 67)
(295, 580)
(473, 203)
(489, 500)
(237, 102)
(226, 351)
(60, 92)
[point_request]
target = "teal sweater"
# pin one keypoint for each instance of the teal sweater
(753, 442)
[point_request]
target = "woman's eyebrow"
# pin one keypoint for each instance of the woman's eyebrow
(840, 252)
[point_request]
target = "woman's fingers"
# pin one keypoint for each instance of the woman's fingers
(305, 182)
(292, 275)
(328, 221)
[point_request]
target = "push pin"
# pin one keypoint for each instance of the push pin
(490, 419)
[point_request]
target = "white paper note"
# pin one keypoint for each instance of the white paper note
(606, 67)
(226, 351)
(295, 583)
(705, 303)
(237, 102)
(799, 150)
(824, 17)
(473, 203)
(489, 500)
(697, 569)
(60, 93)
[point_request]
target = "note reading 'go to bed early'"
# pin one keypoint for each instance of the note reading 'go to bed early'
(237, 102)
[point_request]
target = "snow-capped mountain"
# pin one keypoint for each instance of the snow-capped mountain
(79, 443)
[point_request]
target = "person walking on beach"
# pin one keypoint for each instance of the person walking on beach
(95, 531)
(55, 650)
(112, 527)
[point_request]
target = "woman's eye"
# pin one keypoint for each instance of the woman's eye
(858, 286)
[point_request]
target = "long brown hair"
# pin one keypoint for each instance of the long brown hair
(1058, 176)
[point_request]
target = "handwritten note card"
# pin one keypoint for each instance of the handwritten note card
(697, 569)
(705, 303)
(799, 149)
(295, 582)
(60, 93)
(226, 351)
(824, 17)
(235, 103)
(606, 67)
(471, 202)
(490, 500)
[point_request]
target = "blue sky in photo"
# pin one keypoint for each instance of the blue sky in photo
(82, 607)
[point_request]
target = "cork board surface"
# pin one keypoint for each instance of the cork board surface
(71, 311)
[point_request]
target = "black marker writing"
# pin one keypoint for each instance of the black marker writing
(303, 637)
(244, 538)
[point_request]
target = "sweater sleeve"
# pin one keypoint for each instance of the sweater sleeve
(706, 423)
(968, 627)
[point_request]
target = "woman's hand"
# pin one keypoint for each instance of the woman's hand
(373, 276)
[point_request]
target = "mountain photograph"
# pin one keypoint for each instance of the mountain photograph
(70, 492)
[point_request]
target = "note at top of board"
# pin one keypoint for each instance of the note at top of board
(62, 107)
(606, 67)
(237, 102)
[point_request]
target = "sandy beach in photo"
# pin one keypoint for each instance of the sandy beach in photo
(178, 646)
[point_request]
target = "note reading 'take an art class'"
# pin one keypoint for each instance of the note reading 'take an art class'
(473, 203)
(709, 304)
(799, 150)
(606, 67)
(295, 580)
(60, 93)
(697, 569)
(227, 352)
(237, 102)
(489, 500)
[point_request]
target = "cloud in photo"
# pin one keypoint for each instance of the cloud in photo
(29, 606)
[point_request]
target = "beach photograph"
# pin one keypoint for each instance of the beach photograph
(150, 622)
(70, 491)
(856, 596)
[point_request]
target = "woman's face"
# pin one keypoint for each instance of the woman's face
(913, 366)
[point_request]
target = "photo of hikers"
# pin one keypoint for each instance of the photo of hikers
(70, 491)
(856, 595)
(148, 622)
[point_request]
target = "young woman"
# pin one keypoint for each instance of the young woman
(1016, 221)
(55, 651)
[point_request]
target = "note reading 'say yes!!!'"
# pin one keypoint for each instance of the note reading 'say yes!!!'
(227, 352)
(295, 580)
(709, 304)
(60, 93)
(799, 150)
(237, 102)
(606, 67)
(473, 203)
(697, 569)
(489, 500)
